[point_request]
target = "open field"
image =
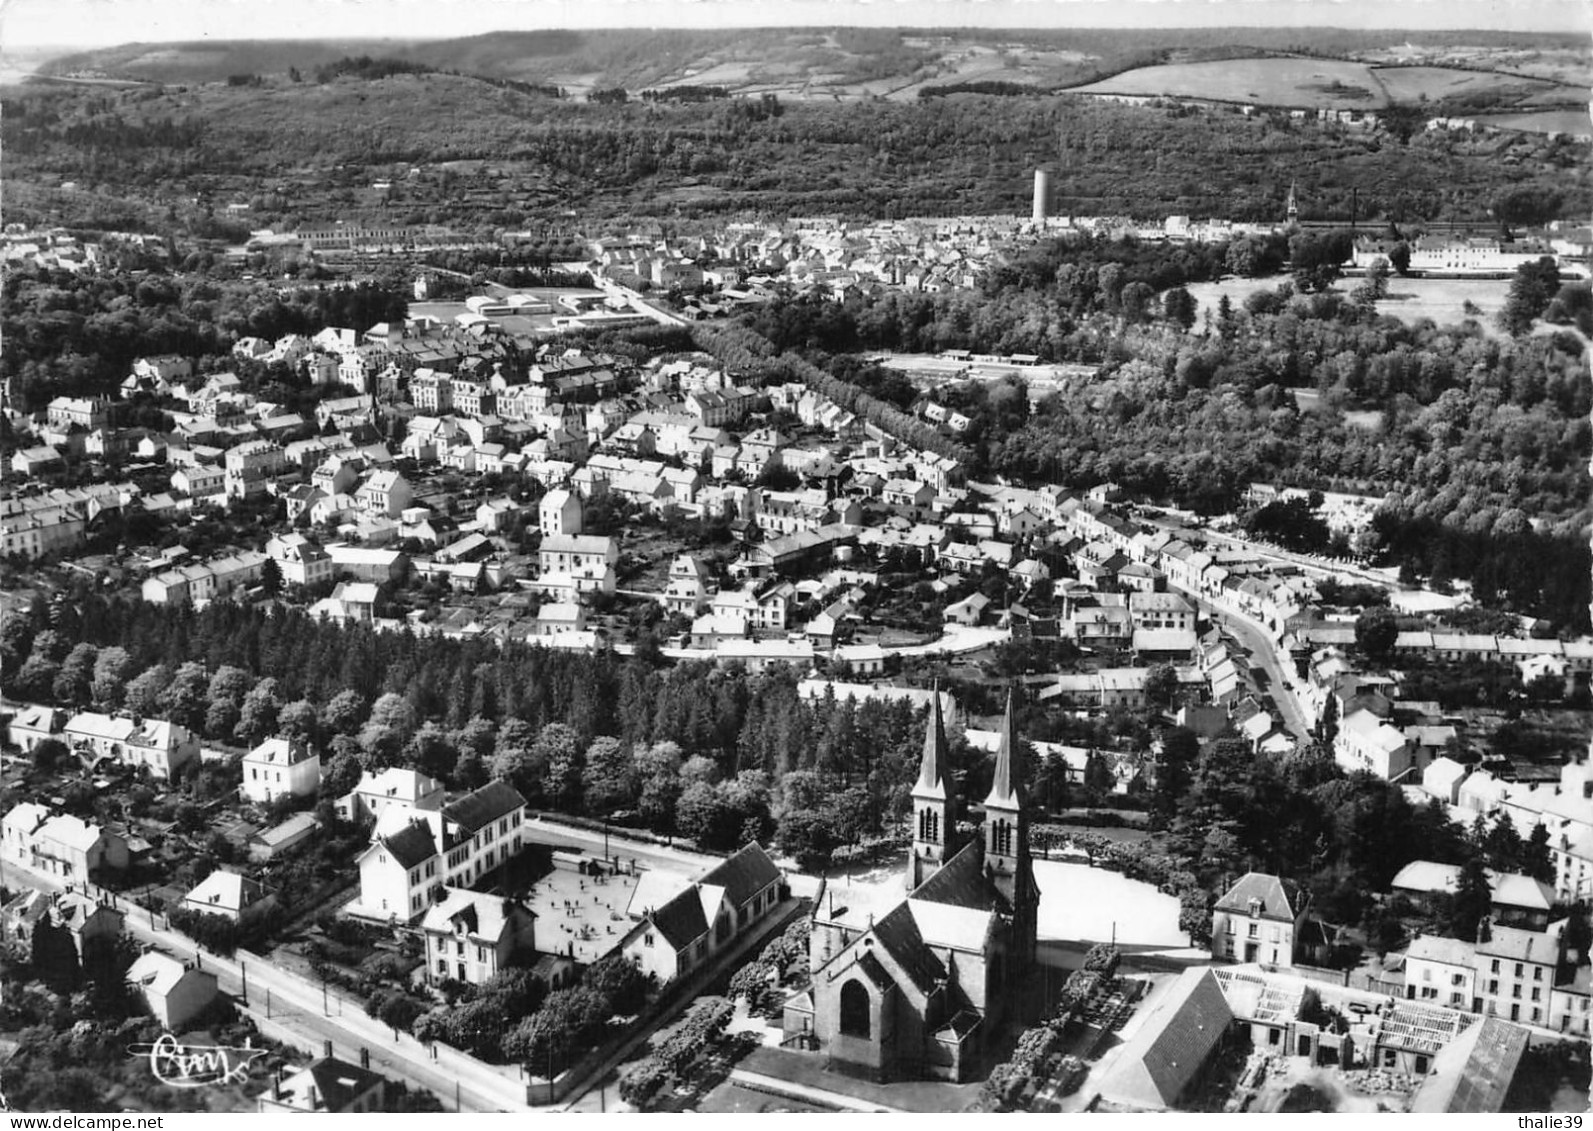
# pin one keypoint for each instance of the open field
(1322, 83)
(1575, 122)
(1412, 84)
(1276, 82)
(1442, 300)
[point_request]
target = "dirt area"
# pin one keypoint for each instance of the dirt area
(1332, 1088)
(581, 916)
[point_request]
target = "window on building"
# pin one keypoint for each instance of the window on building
(1520, 969)
(1494, 969)
(855, 1010)
(1537, 973)
(1255, 931)
(647, 939)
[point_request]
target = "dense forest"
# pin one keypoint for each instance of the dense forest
(70, 334)
(967, 154)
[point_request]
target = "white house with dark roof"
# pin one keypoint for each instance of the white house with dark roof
(398, 871)
(470, 936)
(679, 924)
(1259, 919)
(416, 851)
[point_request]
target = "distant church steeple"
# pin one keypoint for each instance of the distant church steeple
(934, 803)
(1006, 832)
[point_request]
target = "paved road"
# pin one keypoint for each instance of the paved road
(623, 848)
(1258, 645)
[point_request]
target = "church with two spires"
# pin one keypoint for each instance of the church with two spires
(917, 985)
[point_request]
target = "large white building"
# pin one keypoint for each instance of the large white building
(416, 852)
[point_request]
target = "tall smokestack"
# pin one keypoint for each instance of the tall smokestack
(1042, 196)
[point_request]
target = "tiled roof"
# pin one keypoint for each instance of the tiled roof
(1278, 898)
(744, 874)
(477, 810)
(412, 845)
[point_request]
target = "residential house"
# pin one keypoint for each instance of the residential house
(1366, 742)
(1516, 972)
(299, 560)
(1259, 919)
(587, 560)
(402, 791)
(471, 936)
(176, 992)
(385, 493)
(327, 1085)
(228, 895)
(1442, 971)
(400, 868)
(686, 592)
(252, 466)
(280, 767)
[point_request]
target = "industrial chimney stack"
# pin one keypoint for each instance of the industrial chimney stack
(1042, 196)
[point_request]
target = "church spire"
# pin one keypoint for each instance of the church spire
(934, 803)
(930, 770)
(1004, 793)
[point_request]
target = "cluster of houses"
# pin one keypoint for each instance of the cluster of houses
(747, 264)
(54, 248)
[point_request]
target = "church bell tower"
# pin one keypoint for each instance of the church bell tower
(934, 804)
(1007, 860)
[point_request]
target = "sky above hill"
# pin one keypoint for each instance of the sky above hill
(99, 23)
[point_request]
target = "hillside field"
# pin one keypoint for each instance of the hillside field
(1325, 83)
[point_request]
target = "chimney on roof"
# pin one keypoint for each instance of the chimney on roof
(276, 1085)
(365, 1059)
(326, 1048)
